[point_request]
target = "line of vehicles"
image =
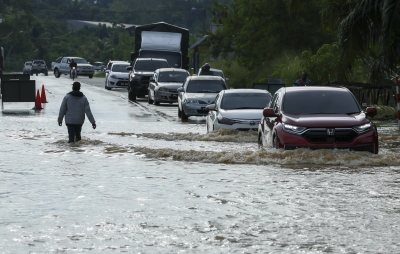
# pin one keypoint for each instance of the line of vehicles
(293, 117)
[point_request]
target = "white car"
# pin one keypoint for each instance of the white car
(118, 76)
(238, 109)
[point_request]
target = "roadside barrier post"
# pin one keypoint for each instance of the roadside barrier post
(398, 101)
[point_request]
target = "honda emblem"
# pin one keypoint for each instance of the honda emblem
(330, 132)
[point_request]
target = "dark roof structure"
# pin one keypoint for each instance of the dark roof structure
(78, 24)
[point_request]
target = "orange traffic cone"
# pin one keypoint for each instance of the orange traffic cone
(43, 96)
(38, 104)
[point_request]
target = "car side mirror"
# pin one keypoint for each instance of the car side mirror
(129, 68)
(211, 107)
(180, 89)
(371, 111)
(107, 71)
(269, 112)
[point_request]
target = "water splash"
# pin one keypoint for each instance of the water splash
(222, 135)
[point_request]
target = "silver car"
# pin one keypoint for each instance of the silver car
(164, 84)
(26, 69)
(118, 76)
(237, 109)
(196, 93)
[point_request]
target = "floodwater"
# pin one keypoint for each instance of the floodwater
(143, 182)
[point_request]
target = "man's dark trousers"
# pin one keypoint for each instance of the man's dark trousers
(74, 130)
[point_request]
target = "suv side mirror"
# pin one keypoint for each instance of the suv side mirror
(269, 112)
(371, 111)
(180, 89)
(211, 107)
(129, 68)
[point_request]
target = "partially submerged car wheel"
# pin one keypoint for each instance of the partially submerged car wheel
(149, 100)
(260, 143)
(56, 73)
(184, 117)
(131, 95)
(156, 102)
(275, 141)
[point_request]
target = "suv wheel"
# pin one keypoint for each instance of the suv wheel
(56, 73)
(275, 141)
(184, 117)
(149, 100)
(131, 96)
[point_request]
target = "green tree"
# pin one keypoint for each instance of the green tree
(371, 32)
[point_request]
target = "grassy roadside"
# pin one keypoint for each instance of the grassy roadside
(100, 75)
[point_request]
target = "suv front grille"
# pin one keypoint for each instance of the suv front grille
(320, 135)
(145, 80)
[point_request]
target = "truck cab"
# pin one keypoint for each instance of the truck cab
(139, 76)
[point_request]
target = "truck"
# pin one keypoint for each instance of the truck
(62, 67)
(157, 41)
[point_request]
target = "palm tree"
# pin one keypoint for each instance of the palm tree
(371, 33)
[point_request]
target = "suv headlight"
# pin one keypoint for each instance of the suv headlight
(224, 120)
(298, 130)
(363, 128)
(191, 101)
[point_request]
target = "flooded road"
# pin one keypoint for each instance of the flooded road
(144, 182)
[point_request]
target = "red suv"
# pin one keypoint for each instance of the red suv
(317, 118)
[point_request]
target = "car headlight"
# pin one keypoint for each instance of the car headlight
(298, 130)
(191, 101)
(363, 128)
(113, 76)
(224, 120)
(161, 88)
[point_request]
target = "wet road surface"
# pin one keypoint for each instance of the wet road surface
(144, 182)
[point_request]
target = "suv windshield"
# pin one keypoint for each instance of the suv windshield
(150, 65)
(320, 102)
(205, 86)
(245, 100)
(80, 60)
(119, 67)
(172, 76)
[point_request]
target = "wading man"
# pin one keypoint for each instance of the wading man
(74, 107)
(303, 81)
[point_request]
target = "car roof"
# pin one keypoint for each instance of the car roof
(305, 89)
(172, 69)
(205, 77)
(147, 59)
(246, 90)
(123, 63)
